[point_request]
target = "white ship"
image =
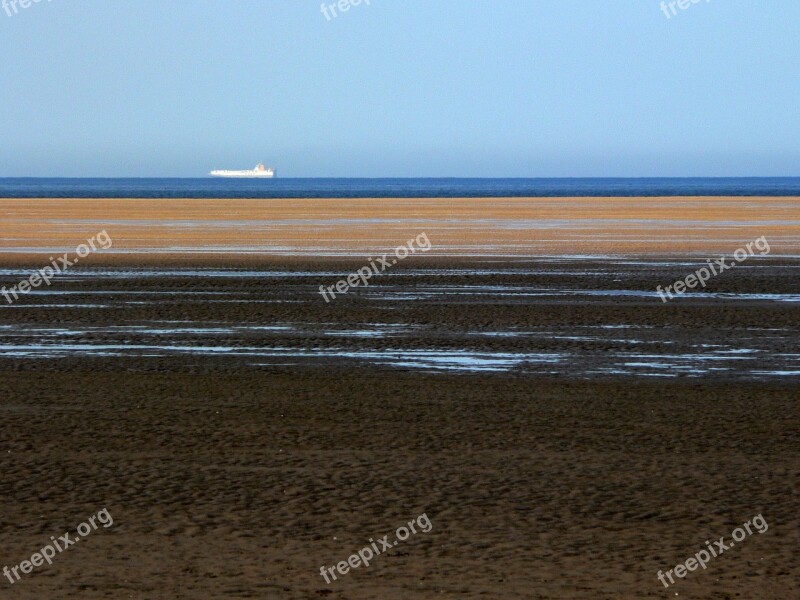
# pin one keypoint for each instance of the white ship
(259, 171)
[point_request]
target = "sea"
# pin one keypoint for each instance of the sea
(209, 187)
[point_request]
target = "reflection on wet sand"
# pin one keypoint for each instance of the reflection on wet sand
(129, 324)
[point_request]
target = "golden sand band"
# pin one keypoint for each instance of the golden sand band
(198, 230)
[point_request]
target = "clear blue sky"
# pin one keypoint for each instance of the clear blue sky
(417, 88)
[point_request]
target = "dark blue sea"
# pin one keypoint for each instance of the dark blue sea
(393, 188)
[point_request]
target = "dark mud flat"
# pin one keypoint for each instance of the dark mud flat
(567, 319)
(567, 433)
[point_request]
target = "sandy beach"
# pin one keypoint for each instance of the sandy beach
(568, 434)
(219, 230)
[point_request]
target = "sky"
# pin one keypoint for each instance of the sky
(400, 88)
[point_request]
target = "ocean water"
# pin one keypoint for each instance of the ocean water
(393, 188)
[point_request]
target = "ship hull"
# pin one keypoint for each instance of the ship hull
(244, 174)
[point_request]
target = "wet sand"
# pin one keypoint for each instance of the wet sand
(568, 434)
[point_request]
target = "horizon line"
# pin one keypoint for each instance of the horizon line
(439, 177)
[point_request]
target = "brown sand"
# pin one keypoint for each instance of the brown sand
(201, 231)
(244, 485)
(227, 480)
